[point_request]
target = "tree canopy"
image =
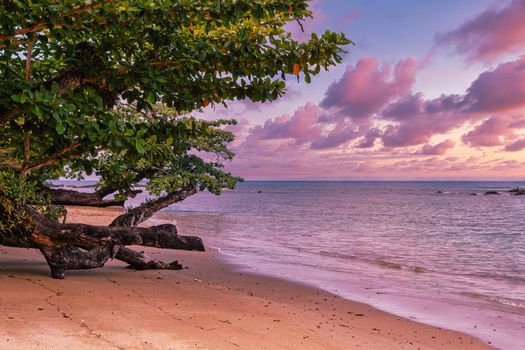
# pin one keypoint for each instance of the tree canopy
(108, 87)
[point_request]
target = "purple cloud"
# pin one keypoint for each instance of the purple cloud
(364, 89)
(491, 34)
(437, 150)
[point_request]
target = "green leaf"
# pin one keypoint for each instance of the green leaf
(37, 111)
(307, 78)
(60, 127)
(151, 98)
(139, 146)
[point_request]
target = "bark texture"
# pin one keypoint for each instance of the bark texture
(143, 212)
(141, 261)
(79, 246)
(60, 196)
(134, 217)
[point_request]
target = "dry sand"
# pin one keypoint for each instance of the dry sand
(208, 306)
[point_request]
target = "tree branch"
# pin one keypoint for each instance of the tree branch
(25, 164)
(143, 212)
(50, 161)
(94, 199)
(42, 25)
(141, 261)
(28, 59)
(71, 81)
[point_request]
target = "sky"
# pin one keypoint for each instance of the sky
(432, 90)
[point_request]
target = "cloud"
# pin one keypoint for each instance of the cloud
(498, 90)
(369, 139)
(369, 92)
(238, 128)
(437, 150)
(302, 127)
(370, 117)
(495, 131)
(306, 126)
(339, 135)
(416, 120)
(407, 134)
(516, 146)
(406, 108)
(490, 133)
(364, 89)
(491, 34)
(290, 161)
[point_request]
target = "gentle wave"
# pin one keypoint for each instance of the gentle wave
(378, 262)
(512, 302)
(414, 268)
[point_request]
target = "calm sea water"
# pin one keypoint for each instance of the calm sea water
(450, 259)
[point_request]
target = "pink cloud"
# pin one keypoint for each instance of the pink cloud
(369, 91)
(491, 34)
(238, 128)
(490, 133)
(417, 120)
(364, 89)
(289, 161)
(408, 107)
(407, 134)
(301, 127)
(437, 150)
(306, 126)
(516, 146)
(496, 131)
(369, 139)
(373, 103)
(339, 135)
(428, 59)
(499, 90)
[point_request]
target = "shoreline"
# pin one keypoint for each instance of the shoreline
(208, 306)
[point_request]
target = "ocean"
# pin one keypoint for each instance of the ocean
(430, 251)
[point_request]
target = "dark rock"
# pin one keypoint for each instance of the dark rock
(491, 193)
(518, 191)
(439, 192)
(473, 194)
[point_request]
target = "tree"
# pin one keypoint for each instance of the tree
(107, 87)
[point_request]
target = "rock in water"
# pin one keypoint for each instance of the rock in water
(518, 191)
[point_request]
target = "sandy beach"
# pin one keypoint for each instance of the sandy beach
(207, 306)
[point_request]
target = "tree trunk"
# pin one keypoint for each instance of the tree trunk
(140, 261)
(143, 212)
(92, 199)
(80, 246)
